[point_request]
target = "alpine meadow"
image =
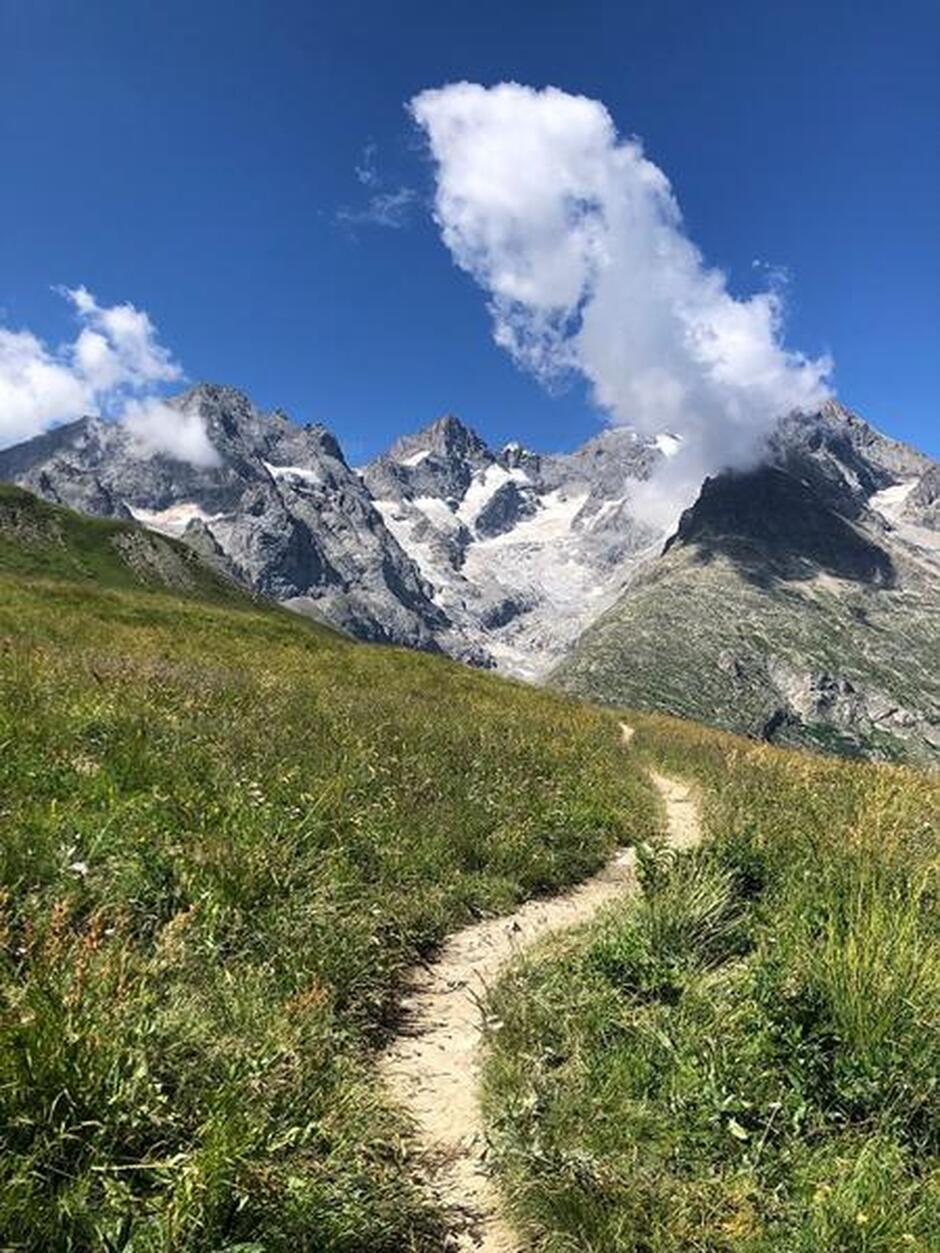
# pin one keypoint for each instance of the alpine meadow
(469, 628)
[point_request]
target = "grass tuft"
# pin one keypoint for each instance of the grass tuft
(747, 1057)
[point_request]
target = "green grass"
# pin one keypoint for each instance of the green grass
(226, 834)
(747, 1057)
(41, 540)
(735, 647)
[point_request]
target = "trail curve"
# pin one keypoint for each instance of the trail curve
(431, 1067)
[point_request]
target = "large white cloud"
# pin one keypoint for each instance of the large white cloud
(113, 366)
(578, 240)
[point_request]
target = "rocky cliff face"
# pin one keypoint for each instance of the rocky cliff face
(282, 511)
(797, 602)
(499, 556)
(523, 549)
(922, 502)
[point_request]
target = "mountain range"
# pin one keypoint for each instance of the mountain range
(798, 601)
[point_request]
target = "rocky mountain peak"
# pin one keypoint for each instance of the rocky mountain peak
(605, 464)
(210, 398)
(449, 435)
(238, 429)
(797, 601)
(772, 524)
(440, 460)
(281, 509)
(852, 456)
(446, 438)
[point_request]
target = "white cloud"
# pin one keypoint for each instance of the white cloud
(157, 427)
(37, 388)
(384, 208)
(118, 345)
(366, 171)
(112, 366)
(578, 240)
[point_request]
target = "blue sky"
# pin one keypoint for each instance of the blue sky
(201, 161)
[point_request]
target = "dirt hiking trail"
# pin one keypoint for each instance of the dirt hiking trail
(431, 1068)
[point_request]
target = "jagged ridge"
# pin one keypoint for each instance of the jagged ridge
(794, 599)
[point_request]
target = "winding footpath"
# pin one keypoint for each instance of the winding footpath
(432, 1067)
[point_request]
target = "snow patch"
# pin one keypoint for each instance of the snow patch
(438, 513)
(399, 518)
(890, 500)
(483, 486)
(415, 459)
(543, 558)
(608, 508)
(304, 473)
(889, 503)
(552, 521)
(172, 521)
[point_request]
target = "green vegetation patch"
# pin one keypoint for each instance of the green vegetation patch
(226, 834)
(747, 1056)
(41, 540)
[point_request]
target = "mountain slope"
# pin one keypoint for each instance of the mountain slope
(281, 509)
(791, 603)
(227, 834)
(497, 557)
(38, 539)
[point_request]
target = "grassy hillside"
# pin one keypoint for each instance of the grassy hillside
(773, 615)
(820, 663)
(40, 540)
(226, 834)
(747, 1057)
